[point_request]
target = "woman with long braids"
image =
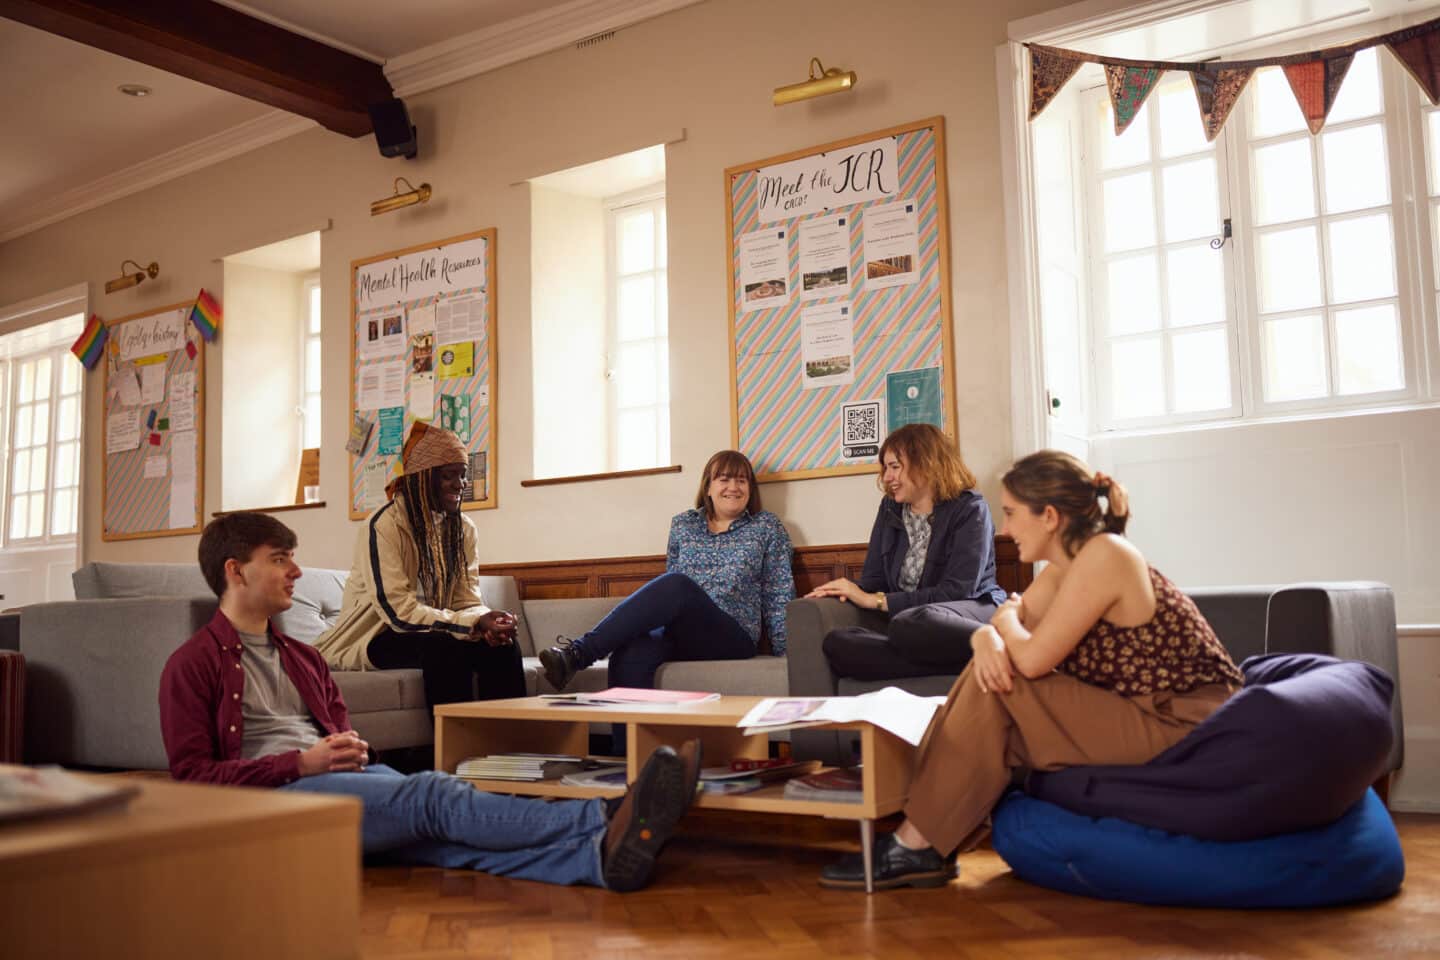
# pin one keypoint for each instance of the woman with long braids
(411, 601)
(1102, 661)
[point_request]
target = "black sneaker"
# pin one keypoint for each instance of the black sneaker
(894, 865)
(561, 663)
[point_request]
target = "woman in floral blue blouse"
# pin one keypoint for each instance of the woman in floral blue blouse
(727, 571)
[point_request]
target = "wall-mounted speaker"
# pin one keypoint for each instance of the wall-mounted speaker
(393, 132)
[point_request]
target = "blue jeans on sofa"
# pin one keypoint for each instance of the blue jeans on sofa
(670, 618)
(441, 821)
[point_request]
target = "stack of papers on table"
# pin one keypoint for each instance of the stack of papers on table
(903, 714)
(27, 792)
(632, 696)
(841, 785)
(608, 775)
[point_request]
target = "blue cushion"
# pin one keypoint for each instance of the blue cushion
(1295, 749)
(1357, 857)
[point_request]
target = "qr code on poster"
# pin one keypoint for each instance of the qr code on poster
(860, 426)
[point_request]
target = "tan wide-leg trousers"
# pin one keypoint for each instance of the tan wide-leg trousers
(976, 739)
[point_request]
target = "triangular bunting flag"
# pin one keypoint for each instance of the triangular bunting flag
(206, 315)
(1217, 92)
(1129, 86)
(1049, 71)
(1315, 84)
(1421, 57)
(91, 345)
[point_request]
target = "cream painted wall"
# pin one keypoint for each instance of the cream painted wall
(567, 333)
(707, 69)
(259, 430)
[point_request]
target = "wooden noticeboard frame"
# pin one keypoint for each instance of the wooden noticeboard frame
(133, 504)
(791, 433)
(482, 384)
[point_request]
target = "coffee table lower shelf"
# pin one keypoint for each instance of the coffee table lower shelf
(530, 724)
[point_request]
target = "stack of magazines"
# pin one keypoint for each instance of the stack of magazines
(841, 785)
(743, 776)
(525, 766)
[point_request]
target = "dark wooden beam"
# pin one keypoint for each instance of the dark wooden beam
(223, 48)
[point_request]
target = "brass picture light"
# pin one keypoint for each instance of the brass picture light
(127, 280)
(414, 195)
(821, 82)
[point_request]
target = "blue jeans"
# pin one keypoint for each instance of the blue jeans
(670, 618)
(441, 821)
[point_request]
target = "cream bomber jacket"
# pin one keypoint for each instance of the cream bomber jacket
(381, 592)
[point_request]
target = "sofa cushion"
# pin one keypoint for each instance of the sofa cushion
(1357, 857)
(318, 594)
(372, 691)
(761, 676)
(937, 685)
(1294, 749)
(102, 580)
(547, 619)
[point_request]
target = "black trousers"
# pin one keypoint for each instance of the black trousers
(453, 668)
(929, 639)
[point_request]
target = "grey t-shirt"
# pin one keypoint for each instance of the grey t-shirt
(275, 716)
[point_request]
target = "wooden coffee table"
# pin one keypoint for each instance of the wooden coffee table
(185, 870)
(534, 725)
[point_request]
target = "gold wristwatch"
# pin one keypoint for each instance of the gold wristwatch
(880, 600)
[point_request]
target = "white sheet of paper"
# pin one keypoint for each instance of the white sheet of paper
(764, 269)
(372, 484)
(825, 257)
(152, 383)
(459, 319)
(422, 395)
(182, 401)
(156, 465)
(422, 320)
(827, 345)
(129, 387)
(182, 479)
(122, 430)
(892, 245)
(903, 714)
(381, 385)
(482, 396)
(182, 457)
(381, 335)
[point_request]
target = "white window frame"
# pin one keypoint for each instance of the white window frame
(47, 538)
(1394, 116)
(1413, 204)
(1092, 177)
(652, 197)
(308, 286)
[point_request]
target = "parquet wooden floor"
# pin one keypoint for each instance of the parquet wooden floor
(741, 888)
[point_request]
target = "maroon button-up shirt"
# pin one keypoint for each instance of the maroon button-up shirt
(201, 692)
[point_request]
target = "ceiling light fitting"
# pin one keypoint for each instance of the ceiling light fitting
(127, 280)
(420, 194)
(821, 82)
(134, 90)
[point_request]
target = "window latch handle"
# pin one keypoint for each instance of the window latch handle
(1218, 242)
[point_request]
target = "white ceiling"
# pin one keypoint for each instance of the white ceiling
(85, 144)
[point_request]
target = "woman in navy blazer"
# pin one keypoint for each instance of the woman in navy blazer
(929, 570)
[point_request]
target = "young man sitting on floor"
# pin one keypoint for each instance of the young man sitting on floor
(240, 703)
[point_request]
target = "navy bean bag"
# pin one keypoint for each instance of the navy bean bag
(1295, 749)
(1355, 858)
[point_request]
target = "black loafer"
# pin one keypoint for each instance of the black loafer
(895, 866)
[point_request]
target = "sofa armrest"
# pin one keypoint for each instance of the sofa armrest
(1352, 620)
(94, 677)
(806, 624)
(1237, 615)
(10, 630)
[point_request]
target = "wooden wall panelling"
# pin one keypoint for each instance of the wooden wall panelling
(622, 576)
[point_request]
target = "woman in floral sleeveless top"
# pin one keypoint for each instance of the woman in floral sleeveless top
(1102, 661)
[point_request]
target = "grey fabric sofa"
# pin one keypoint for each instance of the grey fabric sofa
(94, 663)
(1352, 621)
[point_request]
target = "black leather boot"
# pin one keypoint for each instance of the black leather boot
(895, 866)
